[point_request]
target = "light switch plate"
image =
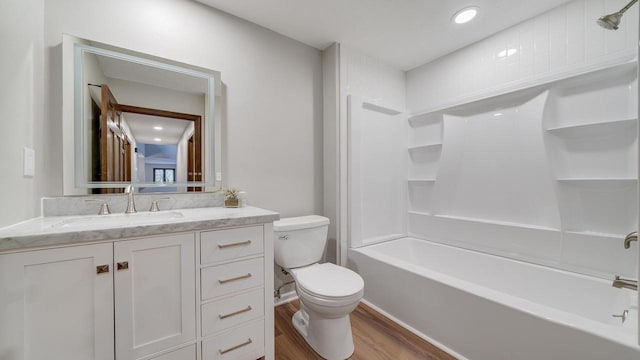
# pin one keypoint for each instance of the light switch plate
(29, 162)
(218, 176)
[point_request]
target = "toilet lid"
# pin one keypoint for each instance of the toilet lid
(328, 280)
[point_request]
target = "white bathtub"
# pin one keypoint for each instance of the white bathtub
(485, 307)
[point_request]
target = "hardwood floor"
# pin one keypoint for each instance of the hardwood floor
(375, 338)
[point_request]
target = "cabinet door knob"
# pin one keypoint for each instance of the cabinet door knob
(124, 265)
(101, 269)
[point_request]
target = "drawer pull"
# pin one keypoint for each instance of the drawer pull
(235, 278)
(222, 352)
(224, 246)
(101, 269)
(123, 265)
(248, 308)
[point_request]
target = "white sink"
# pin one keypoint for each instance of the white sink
(119, 220)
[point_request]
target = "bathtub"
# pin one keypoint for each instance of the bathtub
(485, 307)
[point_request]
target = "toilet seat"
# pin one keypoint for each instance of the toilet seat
(329, 284)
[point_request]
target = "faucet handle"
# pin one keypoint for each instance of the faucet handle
(104, 207)
(154, 204)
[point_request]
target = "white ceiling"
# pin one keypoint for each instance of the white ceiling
(403, 33)
(141, 127)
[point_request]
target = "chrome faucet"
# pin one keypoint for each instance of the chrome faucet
(131, 203)
(630, 238)
(625, 283)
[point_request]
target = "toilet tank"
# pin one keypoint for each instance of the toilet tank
(299, 241)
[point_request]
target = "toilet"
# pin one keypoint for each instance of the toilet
(328, 293)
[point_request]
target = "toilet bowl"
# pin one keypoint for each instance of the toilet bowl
(328, 293)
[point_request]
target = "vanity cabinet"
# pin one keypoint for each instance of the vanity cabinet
(198, 295)
(155, 290)
(236, 269)
(54, 305)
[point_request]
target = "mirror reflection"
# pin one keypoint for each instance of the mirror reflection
(141, 121)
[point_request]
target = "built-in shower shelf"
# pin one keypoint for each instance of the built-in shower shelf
(422, 180)
(599, 180)
(427, 147)
(597, 234)
(425, 118)
(486, 221)
(592, 129)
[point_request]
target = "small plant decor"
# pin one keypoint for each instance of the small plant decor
(231, 197)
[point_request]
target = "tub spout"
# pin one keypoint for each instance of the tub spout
(631, 237)
(625, 283)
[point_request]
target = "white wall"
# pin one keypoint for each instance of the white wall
(372, 81)
(349, 73)
(271, 85)
(331, 114)
(563, 40)
(22, 117)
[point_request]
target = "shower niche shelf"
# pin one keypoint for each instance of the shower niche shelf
(597, 234)
(497, 222)
(423, 162)
(621, 181)
(594, 129)
(473, 220)
(594, 98)
(425, 129)
(425, 133)
(595, 150)
(426, 147)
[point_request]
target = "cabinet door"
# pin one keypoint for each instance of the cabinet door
(55, 305)
(154, 294)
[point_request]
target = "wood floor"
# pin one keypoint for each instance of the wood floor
(375, 338)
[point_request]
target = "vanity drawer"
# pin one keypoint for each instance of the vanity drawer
(223, 314)
(228, 278)
(244, 342)
(220, 245)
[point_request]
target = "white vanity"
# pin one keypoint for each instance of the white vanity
(195, 285)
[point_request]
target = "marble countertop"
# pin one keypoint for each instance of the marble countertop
(64, 230)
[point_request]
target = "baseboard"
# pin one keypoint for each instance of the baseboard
(414, 331)
(286, 298)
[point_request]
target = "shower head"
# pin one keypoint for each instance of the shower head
(611, 21)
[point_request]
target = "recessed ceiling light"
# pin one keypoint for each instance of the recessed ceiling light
(157, 127)
(157, 139)
(465, 15)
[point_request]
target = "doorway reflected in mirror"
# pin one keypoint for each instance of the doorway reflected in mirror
(143, 145)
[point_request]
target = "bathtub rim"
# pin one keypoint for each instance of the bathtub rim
(617, 334)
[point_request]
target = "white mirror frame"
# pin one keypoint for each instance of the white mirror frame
(74, 150)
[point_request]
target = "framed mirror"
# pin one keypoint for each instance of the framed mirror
(137, 119)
